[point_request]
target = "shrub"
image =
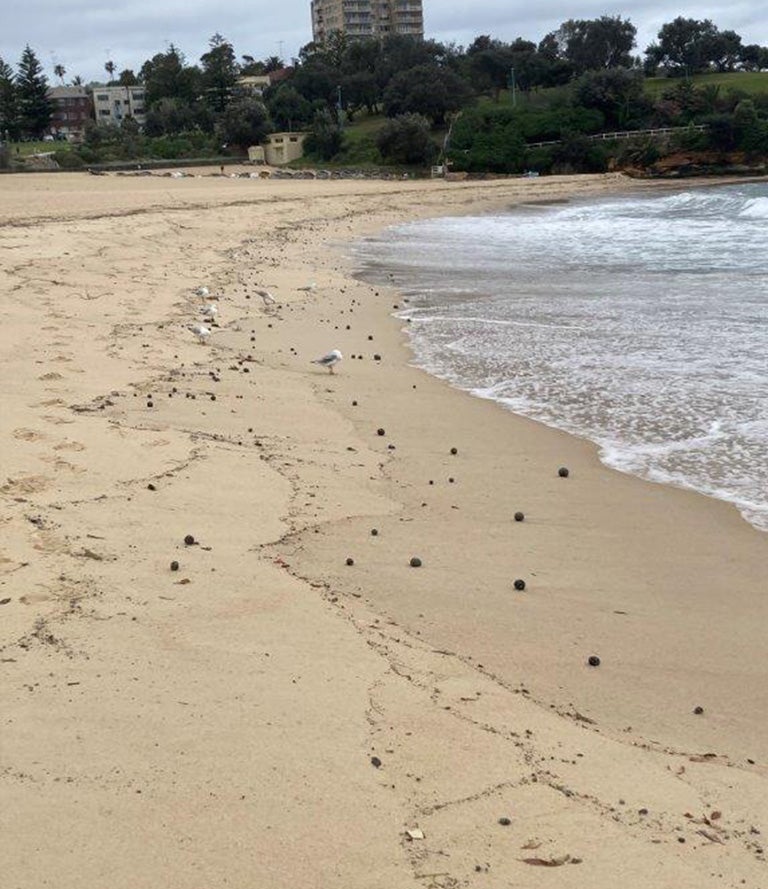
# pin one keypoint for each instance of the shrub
(406, 139)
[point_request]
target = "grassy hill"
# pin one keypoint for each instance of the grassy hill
(752, 82)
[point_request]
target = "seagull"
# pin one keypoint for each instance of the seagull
(210, 311)
(203, 291)
(308, 288)
(200, 331)
(329, 360)
(266, 297)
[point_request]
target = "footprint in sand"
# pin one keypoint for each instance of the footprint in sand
(52, 375)
(70, 446)
(26, 484)
(27, 435)
(59, 465)
(33, 598)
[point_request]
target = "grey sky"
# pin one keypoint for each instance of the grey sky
(83, 34)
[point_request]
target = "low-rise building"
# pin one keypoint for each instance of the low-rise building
(113, 104)
(72, 109)
(281, 148)
(253, 84)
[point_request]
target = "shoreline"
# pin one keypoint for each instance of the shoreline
(232, 708)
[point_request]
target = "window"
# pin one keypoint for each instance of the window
(104, 112)
(103, 97)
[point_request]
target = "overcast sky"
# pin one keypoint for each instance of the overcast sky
(83, 34)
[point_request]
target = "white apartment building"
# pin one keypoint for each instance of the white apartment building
(112, 104)
(366, 18)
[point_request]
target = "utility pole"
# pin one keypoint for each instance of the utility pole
(512, 86)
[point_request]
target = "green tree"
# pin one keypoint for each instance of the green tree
(406, 139)
(243, 123)
(220, 72)
(127, 78)
(9, 103)
(167, 76)
(60, 71)
(288, 108)
(326, 137)
(616, 92)
(34, 107)
(682, 46)
(593, 44)
(426, 89)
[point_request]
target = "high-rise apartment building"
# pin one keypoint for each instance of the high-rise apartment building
(366, 18)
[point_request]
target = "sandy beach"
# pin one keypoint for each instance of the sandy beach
(296, 705)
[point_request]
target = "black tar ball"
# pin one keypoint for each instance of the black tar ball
(174, 566)
(519, 584)
(151, 487)
(380, 431)
(415, 562)
(350, 562)
(376, 762)
(354, 404)
(593, 660)
(563, 472)
(454, 451)
(698, 710)
(374, 532)
(504, 821)
(519, 516)
(189, 540)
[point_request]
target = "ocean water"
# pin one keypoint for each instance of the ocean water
(638, 322)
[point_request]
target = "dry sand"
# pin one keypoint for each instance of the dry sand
(215, 726)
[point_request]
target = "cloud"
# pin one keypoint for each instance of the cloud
(83, 34)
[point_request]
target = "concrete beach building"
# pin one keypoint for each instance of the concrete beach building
(112, 104)
(72, 109)
(364, 19)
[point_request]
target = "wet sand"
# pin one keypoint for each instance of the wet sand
(269, 715)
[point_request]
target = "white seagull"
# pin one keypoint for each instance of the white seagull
(210, 311)
(203, 291)
(329, 360)
(200, 331)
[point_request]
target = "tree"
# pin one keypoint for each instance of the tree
(722, 49)
(220, 72)
(682, 46)
(616, 92)
(9, 103)
(167, 76)
(288, 108)
(34, 107)
(426, 89)
(110, 68)
(593, 44)
(405, 139)
(60, 71)
(127, 78)
(243, 123)
(326, 138)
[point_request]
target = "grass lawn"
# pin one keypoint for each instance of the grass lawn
(751, 82)
(24, 149)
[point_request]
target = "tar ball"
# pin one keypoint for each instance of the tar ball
(519, 584)
(380, 431)
(376, 762)
(350, 562)
(454, 451)
(415, 562)
(189, 540)
(563, 472)
(519, 516)
(174, 566)
(593, 660)
(374, 532)
(504, 821)
(698, 711)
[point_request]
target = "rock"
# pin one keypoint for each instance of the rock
(504, 821)
(376, 762)
(593, 660)
(415, 562)
(519, 584)
(350, 562)
(189, 540)
(174, 565)
(381, 431)
(519, 516)
(563, 472)
(151, 487)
